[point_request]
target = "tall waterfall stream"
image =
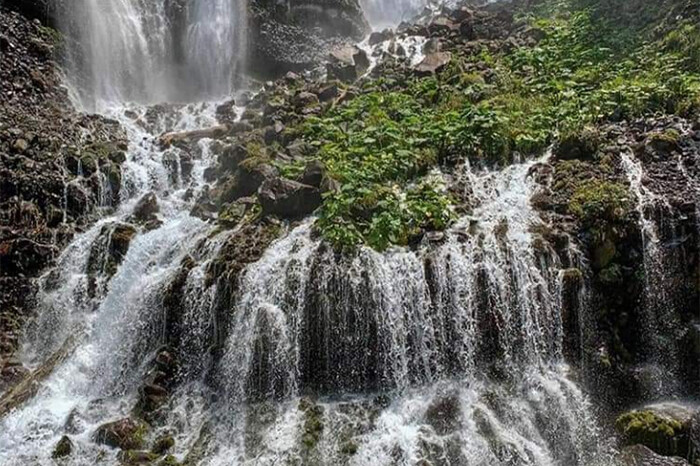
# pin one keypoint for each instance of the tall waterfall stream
(451, 353)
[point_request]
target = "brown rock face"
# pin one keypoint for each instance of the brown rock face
(44, 145)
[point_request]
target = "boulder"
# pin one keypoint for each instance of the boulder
(444, 414)
(134, 457)
(639, 455)
(245, 181)
(663, 427)
(163, 444)
(347, 63)
(306, 99)
(146, 209)
(230, 155)
(377, 37)
(580, 145)
(287, 198)
(63, 448)
(433, 63)
(125, 434)
(314, 173)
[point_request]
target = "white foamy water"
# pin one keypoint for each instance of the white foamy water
(154, 51)
(119, 329)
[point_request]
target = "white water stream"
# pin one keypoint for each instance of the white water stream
(450, 354)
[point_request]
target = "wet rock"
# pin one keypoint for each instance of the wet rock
(125, 434)
(444, 414)
(603, 254)
(135, 457)
(663, 428)
(377, 37)
(163, 444)
(23, 255)
(63, 448)
(287, 198)
(298, 36)
(639, 455)
(146, 209)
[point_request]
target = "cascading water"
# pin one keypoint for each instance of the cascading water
(111, 323)
(381, 14)
(660, 318)
(451, 353)
(154, 51)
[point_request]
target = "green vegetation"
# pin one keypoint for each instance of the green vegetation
(383, 144)
(600, 204)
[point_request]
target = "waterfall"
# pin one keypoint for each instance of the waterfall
(153, 51)
(116, 317)
(383, 13)
(451, 353)
(448, 353)
(659, 316)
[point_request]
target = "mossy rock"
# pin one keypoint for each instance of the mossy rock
(603, 254)
(664, 142)
(133, 457)
(578, 145)
(313, 423)
(169, 460)
(125, 434)
(655, 429)
(163, 444)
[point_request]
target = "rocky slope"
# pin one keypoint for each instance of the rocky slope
(57, 168)
(458, 87)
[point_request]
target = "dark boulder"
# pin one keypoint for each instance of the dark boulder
(287, 198)
(25, 256)
(639, 455)
(314, 173)
(377, 37)
(146, 210)
(245, 181)
(126, 434)
(63, 448)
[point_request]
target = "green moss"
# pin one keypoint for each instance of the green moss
(600, 201)
(169, 460)
(313, 423)
(163, 444)
(663, 435)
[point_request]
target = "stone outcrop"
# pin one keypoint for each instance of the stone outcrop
(298, 34)
(125, 434)
(57, 167)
